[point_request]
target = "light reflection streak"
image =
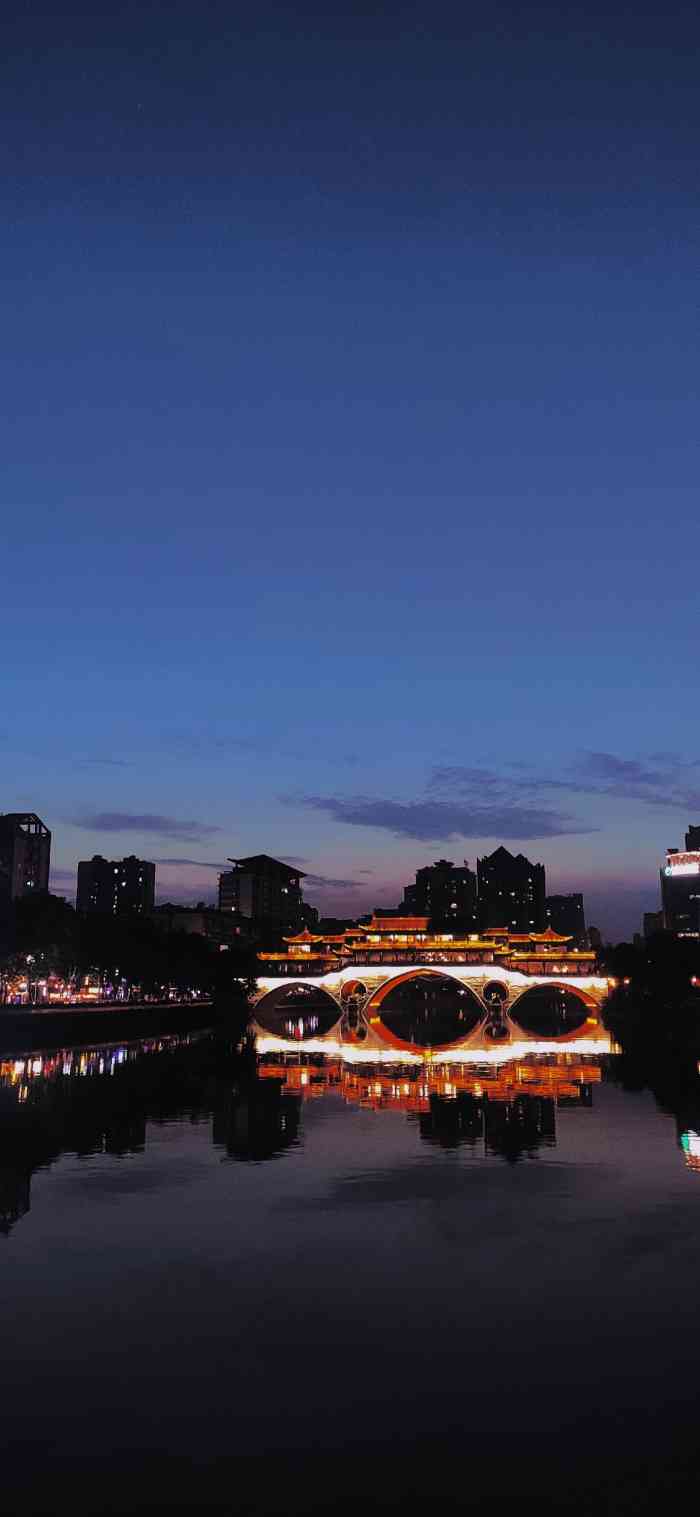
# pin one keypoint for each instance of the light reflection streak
(514, 977)
(690, 1144)
(72, 1063)
(513, 1099)
(350, 1054)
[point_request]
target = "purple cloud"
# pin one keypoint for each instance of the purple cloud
(193, 863)
(442, 821)
(663, 782)
(147, 821)
(666, 781)
(110, 763)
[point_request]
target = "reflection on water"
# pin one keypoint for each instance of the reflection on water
(297, 1012)
(231, 1251)
(431, 1011)
(89, 1101)
(507, 1108)
(497, 1103)
(690, 1144)
(22, 1072)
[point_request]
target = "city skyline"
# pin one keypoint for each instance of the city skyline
(188, 881)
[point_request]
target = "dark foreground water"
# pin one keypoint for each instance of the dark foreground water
(317, 1286)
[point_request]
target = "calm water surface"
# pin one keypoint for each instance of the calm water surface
(316, 1265)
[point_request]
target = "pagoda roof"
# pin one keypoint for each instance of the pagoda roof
(549, 936)
(295, 956)
(306, 937)
(565, 957)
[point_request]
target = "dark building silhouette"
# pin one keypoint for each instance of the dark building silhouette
(385, 912)
(25, 854)
(257, 1119)
(652, 921)
(692, 839)
(451, 1123)
(508, 1129)
(514, 1128)
(511, 892)
(116, 887)
(336, 924)
(266, 892)
(565, 915)
(445, 894)
(227, 927)
(680, 890)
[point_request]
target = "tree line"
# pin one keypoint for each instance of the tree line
(58, 940)
(656, 998)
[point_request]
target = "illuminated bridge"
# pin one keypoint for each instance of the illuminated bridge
(395, 985)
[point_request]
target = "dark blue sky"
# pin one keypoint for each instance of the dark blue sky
(350, 447)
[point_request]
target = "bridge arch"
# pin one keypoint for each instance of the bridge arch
(298, 1011)
(554, 1010)
(423, 1008)
(495, 994)
(352, 990)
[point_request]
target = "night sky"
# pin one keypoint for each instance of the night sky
(350, 439)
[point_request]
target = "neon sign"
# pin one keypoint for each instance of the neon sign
(682, 863)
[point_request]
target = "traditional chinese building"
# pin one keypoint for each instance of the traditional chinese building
(400, 941)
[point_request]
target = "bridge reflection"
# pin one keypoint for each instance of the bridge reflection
(560, 1079)
(497, 1102)
(507, 1109)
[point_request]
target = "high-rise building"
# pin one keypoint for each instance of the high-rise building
(692, 839)
(445, 894)
(265, 891)
(511, 892)
(25, 855)
(680, 890)
(117, 887)
(652, 922)
(565, 915)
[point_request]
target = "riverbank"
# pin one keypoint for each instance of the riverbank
(22, 1030)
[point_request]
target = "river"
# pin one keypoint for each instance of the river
(281, 1284)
